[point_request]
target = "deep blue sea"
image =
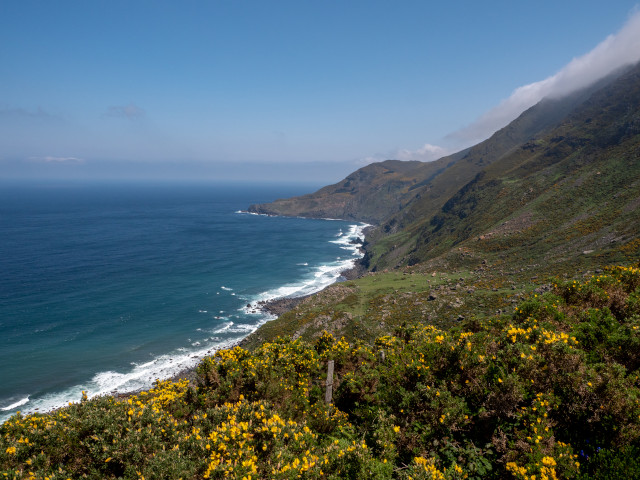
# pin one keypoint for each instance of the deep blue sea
(107, 287)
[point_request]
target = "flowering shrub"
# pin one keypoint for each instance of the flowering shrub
(552, 391)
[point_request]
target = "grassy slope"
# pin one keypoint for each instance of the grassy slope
(378, 303)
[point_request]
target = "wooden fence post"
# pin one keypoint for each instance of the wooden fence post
(329, 392)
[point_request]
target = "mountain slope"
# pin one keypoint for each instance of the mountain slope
(385, 192)
(370, 194)
(572, 189)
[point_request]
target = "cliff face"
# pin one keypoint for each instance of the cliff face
(369, 194)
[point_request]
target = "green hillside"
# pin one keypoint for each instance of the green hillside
(370, 194)
(572, 189)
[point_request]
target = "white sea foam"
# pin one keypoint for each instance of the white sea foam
(224, 328)
(226, 288)
(239, 328)
(140, 376)
(319, 278)
(352, 239)
(143, 375)
(244, 212)
(17, 404)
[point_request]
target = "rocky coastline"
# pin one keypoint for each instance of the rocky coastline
(280, 306)
(277, 307)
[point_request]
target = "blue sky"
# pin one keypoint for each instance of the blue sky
(281, 90)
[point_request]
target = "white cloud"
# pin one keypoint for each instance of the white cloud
(130, 111)
(614, 52)
(427, 153)
(20, 113)
(54, 160)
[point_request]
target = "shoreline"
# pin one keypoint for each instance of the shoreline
(276, 307)
(280, 306)
(126, 381)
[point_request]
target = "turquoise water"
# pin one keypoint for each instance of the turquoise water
(106, 287)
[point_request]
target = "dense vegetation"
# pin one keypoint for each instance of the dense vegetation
(548, 391)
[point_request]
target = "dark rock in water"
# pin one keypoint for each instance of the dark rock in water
(356, 272)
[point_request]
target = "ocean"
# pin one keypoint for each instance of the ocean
(106, 287)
